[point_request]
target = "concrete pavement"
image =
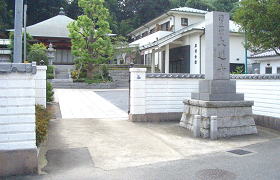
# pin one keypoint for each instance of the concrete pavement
(87, 103)
(112, 148)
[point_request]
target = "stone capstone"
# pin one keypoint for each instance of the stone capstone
(18, 67)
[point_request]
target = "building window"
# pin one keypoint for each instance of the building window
(184, 21)
(268, 70)
(278, 70)
(165, 26)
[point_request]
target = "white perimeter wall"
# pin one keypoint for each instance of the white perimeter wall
(159, 95)
(17, 111)
(40, 86)
(19, 92)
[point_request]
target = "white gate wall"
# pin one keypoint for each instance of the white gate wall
(166, 95)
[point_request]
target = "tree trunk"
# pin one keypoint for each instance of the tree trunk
(90, 70)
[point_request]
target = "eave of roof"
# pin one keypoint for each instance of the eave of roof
(265, 54)
(168, 13)
(52, 27)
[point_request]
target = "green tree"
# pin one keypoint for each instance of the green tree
(200, 4)
(40, 10)
(224, 5)
(73, 10)
(261, 22)
(5, 18)
(38, 53)
(89, 34)
(177, 3)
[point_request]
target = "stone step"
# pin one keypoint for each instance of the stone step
(68, 85)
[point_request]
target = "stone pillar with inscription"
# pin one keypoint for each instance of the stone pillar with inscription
(217, 93)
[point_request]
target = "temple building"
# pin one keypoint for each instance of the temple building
(55, 31)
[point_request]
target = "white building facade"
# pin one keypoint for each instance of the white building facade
(266, 62)
(175, 42)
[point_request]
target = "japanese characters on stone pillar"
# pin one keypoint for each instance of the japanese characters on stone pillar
(216, 96)
(217, 39)
(18, 31)
(217, 85)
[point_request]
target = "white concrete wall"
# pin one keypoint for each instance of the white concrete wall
(160, 95)
(265, 93)
(151, 38)
(17, 111)
(237, 50)
(191, 18)
(40, 86)
(162, 21)
(167, 95)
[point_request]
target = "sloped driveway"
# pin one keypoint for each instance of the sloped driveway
(87, 103)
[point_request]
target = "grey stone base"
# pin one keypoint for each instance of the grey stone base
(18, 162)
(218, 97)
(155, 117)
(217, 90)
(81, 85)
(234, 117)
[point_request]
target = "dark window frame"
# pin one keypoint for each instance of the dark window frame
(278, 70)
(165, 26)
(185, 21)
(268, 68)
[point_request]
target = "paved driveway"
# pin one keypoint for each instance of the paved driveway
(87, 103)
(107, 146)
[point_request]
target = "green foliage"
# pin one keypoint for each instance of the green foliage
(261, 22)
(40, 10)
(50, 92)
(101, 75)
(224, 5)
(50, 69)
(3, 17)
(238, 70)
(42, 122)
(73, 10)
(200, 4)
(124, 15)
(38, 53)
(104, 73)
(75, 74)
(50, 72)
(89, 34)
(121, 47)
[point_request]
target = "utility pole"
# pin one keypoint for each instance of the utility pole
(18, 31)
(25, 19)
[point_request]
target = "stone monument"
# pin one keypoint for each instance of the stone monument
(217, 98)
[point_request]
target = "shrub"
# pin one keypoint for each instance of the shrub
(50, 72)
(42, 122)
(50, 92)
(75, 74)
(238, 70)
(50, 76)
(104, 72)
(50, 69)
(38, 53)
